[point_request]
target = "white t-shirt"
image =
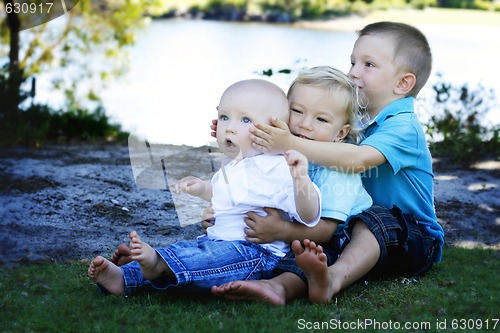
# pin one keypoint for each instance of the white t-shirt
(249, 185)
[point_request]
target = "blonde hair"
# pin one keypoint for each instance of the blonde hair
(413, 53)
(344, 91)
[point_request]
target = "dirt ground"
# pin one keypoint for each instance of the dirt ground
(60, 203)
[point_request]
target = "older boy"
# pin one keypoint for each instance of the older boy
(391, 62)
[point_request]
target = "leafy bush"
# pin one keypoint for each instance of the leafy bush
(34, 125)
(473, 4)
(458, 129)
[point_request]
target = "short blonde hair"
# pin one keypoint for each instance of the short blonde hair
(344, 91)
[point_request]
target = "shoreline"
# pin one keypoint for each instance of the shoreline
(429, 16)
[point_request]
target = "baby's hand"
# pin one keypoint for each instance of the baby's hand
(297, 162)
(190, 185)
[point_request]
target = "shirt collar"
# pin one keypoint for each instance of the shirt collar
(402, 105)
(263, 161)
(266, 162)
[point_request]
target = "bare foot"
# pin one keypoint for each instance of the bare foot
(152, 265)
(255, 290)
(313, 262)
(122, 255)
(106, 274)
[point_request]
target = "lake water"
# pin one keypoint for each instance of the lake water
(180, 68)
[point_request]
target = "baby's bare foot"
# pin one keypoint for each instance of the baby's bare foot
(152, 265)
(122, 255)
(107, 275)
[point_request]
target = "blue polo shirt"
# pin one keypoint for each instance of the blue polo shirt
(406, 179)
(342, 194)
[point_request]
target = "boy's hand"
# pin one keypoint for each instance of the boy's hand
(214, 128)
(297, 162)
(190, 185)
(264, 229)
(273, 139)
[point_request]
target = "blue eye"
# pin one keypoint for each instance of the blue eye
(246, 120)
(223, 117)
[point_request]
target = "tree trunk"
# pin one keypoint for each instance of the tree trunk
(15, 75)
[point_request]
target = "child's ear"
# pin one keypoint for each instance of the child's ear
(405, 84)
(343, 132)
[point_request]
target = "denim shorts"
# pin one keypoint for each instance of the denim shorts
(198, 265)
(406, 248)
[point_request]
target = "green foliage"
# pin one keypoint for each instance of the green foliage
(487, 5)
(312, 9)
(34, 124)
(470, 4)
(38, 124)
(308, 9)
(463, 286)
(88, 45)
(457, 127)
(89, 42)
(232, 10)
(422, 4)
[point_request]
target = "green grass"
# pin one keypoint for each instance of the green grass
(59, 298)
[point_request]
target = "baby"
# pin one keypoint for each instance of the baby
(250, 181)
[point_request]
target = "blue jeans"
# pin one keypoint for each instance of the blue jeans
(198, 265)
